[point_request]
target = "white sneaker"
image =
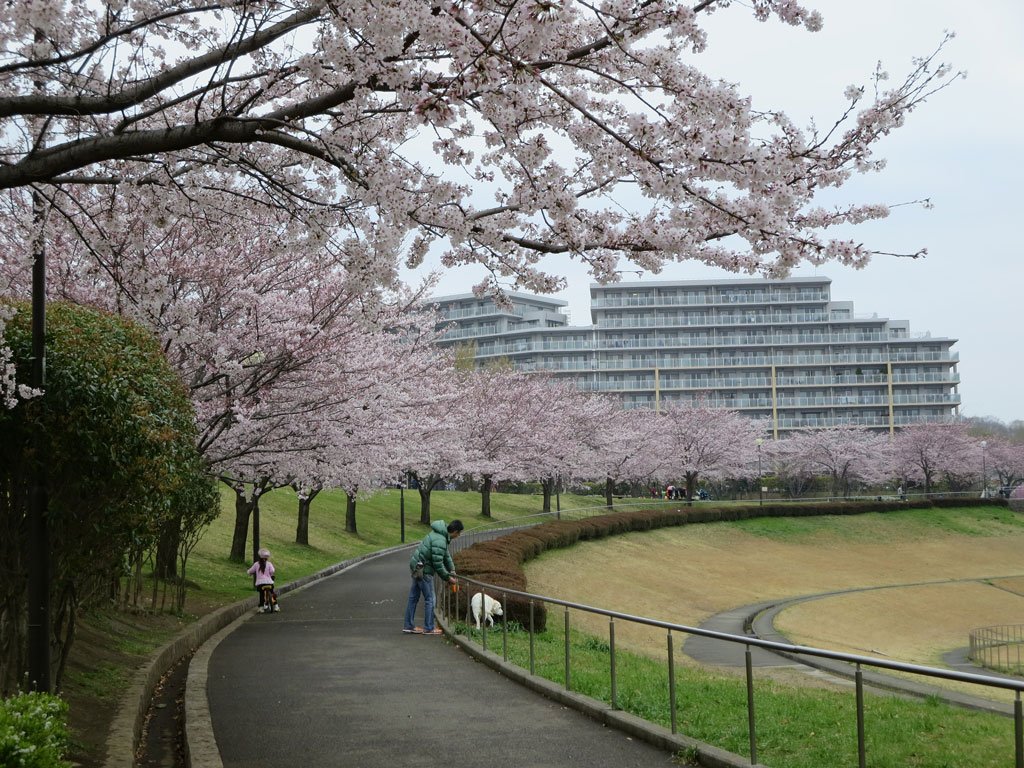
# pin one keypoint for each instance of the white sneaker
(277, 609)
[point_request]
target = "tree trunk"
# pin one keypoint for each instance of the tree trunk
(166, 566)
(255, 528)
(691, 487)
(424, 505)
(243, 509)
(609, 487)
(302, 526)
(425, 488)
(548, 487)
(485, 496)
(350, 513)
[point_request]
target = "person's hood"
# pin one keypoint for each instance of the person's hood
(440, 526)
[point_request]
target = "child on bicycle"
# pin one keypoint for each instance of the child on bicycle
(262, 572)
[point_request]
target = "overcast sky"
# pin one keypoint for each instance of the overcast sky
(964, 150)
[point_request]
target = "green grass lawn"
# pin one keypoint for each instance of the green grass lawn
(905, 524)
(378, 524)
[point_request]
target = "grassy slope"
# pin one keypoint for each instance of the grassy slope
(111, 645)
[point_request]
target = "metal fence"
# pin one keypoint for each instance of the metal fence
(858, 663)
(998, 648)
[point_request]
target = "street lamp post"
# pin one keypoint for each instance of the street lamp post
(38, 618)
(760, 485)
(984, 470)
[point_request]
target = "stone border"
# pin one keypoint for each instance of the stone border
(126, 729)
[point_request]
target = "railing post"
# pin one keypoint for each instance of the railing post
(532, 668)
(861, 751)
(751, 721)
(671, 682)
(504, 625)
(611, 653)
(568, 685)
(483, 616)
(1018, 731)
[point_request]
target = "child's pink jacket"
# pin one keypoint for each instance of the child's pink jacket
(267, 577)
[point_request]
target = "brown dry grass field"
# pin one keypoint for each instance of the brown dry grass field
(684, 575)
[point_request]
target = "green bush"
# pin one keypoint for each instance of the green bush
(33, 731)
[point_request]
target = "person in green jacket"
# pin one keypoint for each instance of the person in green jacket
(431, 557)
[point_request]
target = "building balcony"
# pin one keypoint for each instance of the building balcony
(715, 320)
(705, 300)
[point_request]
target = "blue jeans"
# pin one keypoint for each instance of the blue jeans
(424, 586)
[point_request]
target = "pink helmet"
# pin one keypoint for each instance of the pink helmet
(264, 553)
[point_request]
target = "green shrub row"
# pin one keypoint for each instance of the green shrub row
(500, 561)
(33, 731)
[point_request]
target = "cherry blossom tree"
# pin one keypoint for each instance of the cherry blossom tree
(432, 448)
(923, 451)
(371, 455)
(501, 410)
(622, 446)
(1005, 460)
(282, 351)
(512, 131)
(561, 433)
(788, 464)
(700, 440)
(843, 454)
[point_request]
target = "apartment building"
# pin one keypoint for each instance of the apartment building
(780, 350)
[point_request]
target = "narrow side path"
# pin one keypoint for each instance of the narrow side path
(758, 620)
(332, 681)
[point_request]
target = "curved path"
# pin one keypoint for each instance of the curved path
(758, 620)
(332, 681)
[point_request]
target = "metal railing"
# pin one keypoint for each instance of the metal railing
(998, 648)
(857, 662)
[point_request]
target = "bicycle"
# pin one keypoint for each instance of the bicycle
(268, 599)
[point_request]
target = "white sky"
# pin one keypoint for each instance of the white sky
(963, 149)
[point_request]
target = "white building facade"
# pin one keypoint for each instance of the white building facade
(779, 350)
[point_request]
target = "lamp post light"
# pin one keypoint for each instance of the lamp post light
(984, 470)
(760, 486)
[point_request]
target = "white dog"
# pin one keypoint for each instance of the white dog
(492, 608)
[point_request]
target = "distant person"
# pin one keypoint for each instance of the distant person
(431, 557)
(262, 572)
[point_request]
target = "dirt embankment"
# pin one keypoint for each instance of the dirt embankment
(685, 575)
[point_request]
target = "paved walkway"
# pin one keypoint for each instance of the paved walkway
(332, 681)
(758, 620)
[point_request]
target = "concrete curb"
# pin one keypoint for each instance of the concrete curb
(707, 755)
(125, 733)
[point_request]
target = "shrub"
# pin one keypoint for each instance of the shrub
(33, 731)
